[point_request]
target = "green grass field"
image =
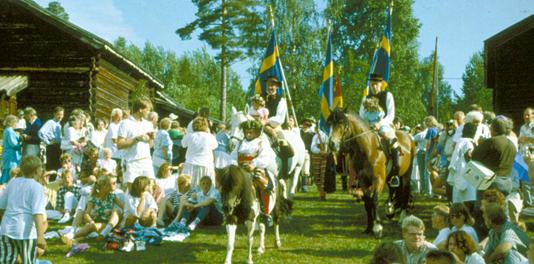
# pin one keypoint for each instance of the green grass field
(319, 232)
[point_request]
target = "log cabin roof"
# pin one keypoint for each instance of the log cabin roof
(84, 37)
(492, 44)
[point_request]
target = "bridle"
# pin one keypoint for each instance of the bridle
(348, 130)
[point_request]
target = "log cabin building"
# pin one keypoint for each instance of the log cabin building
(509, 68)
(46, 61)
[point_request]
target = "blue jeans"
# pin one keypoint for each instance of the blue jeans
(423, 173)
(208, 215)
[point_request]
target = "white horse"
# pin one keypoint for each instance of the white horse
(294, 140)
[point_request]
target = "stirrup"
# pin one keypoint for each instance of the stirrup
(394, 182)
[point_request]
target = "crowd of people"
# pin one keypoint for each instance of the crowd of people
(135, 170)
(474, 224)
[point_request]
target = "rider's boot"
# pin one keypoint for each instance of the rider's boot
(394, 180)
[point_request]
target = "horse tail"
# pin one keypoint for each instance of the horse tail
(283, 206)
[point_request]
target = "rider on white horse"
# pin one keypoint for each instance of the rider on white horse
(384, 123)
(255, 155)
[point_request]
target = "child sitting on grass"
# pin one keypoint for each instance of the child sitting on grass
(180, 195)
(140, 206)
(67, 197)
(101, 212)
(207, 208)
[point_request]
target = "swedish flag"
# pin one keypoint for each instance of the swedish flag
(381, 58)
(326, 91)
(270, 66)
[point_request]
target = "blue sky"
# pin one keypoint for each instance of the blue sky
(461, 25)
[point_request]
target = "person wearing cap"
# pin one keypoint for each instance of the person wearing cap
(254, 154)
(385, 125)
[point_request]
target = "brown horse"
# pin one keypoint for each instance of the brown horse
(350, 134)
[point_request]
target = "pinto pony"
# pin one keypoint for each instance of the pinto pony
(369, 163)
(241, 206)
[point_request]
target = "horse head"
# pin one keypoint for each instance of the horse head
(338, 123)
(237, 194)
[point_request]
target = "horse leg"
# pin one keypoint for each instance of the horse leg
(250, 233)
(368, 209)
(261, 247)
(230, 231)
(294, 182)
(377, 226)
(277, 241)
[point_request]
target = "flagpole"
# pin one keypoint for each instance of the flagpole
(285, 87)
(433, 93)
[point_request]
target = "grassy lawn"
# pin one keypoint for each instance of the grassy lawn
(319, 232)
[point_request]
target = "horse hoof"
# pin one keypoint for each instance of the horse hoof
(250, 261)
(261, 250)
(278, 244)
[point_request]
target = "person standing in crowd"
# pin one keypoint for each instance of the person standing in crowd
(74, 141)
(202, 112)
(11, 148)
(431, 157)
(440, 222)
(462, 191)
(414, 247)
(526, 132)
(526, 153)
(177, 134)
(30, 137)
(111, 138)
(420, 141)
(497, 154)
(162, 145)
(153, 118)
(459, 117)
(98, 135)
(291, 125)
(306, 133)
(134, 136)
(319, 160)
(50, 134)
(21, 122)
(199, 156)
(221, 153)
(22, 210)
(445, 150)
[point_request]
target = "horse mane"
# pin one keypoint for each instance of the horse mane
(359, 126)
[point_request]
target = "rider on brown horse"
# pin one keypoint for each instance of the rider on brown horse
(380, 117)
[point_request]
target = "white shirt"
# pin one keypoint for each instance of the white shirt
(200, 146)
(113, 131)
(281, 112)
(442, 236)
(98, 137)
(71, 134)
(483, 131)
(462, 190)
(390, 107)
(131, 128)
(22, 199)
(110, 165)
(475, 258)
(260, 147)
(420, 140)
(132, 203)
(315, 142)
(167, 185)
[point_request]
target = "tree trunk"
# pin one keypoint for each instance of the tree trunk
(223, 63)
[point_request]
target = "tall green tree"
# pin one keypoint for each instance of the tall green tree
(187, 77)
(445, 97)
(226, 25)
(58, 10)
(358, 26)
(474, 91)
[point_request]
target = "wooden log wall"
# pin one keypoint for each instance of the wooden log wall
(112, 90)
(47, 90)
(514, 81)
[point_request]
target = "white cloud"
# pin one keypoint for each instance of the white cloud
(101, 18)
